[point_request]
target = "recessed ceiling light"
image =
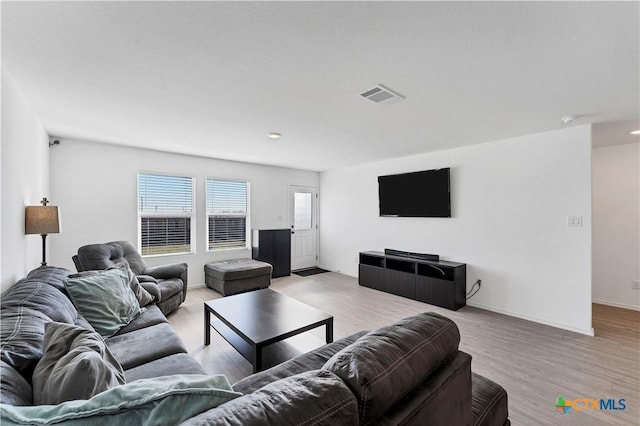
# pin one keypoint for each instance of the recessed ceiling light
(275, 135)
(636, 132)
(570, 118)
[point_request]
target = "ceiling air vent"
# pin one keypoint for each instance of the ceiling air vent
(381, 95)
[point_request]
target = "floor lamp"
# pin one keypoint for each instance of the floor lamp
(42, 220)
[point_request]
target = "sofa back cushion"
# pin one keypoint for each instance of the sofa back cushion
(24, 310)
(103, 256)
(386, 364)
(312, 398)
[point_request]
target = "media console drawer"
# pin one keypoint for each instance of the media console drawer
(439, 283)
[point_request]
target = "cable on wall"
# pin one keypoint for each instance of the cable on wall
(471, 292)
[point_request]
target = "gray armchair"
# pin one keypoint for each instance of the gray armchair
(167, 283)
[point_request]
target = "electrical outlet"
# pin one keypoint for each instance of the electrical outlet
(575, 221)
(635, 284)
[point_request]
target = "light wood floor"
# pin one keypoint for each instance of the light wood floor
(533, 362)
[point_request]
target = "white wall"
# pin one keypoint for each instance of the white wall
(95, 186)
(616, 225)
(510, 202)
(25, 173)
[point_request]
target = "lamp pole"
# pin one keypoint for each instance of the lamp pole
(44, 202)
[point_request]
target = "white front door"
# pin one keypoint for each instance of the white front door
(304, 230)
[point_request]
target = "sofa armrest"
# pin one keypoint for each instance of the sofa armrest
(163, 272)
(173, 270)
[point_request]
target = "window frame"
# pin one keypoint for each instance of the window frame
(247, 242)
(192, 216)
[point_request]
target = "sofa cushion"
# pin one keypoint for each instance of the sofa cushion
(144, 345)
(76, 364)
(14, 389)
(385, 364)
(24, 309)
(313, 360)
(489, 402)
(150, 315)
(164, 400)
(104, 299)
(312, 398)
(173, 364)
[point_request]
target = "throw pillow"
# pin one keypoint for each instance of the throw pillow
(76, 364)
(167, 400)
(104, 299)
(143, 296)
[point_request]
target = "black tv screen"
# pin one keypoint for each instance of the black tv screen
(417, 194)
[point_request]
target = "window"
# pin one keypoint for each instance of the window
(165, 212)
(227, 214)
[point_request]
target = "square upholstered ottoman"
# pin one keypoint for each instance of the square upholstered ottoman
(237, 276)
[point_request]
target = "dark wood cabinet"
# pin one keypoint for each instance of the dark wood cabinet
(370, 276)
(439, 283)
(274, 247)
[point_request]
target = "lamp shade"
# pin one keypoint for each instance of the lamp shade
(41, 220)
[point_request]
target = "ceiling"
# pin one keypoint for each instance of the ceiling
(214, 78)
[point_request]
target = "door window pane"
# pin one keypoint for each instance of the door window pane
(302, 210)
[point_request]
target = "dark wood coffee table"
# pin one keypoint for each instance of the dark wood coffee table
(254, 320)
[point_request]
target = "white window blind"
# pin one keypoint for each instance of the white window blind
(227, 214)
(165, 213)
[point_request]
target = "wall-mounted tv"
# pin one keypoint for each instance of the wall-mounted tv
(417, 194)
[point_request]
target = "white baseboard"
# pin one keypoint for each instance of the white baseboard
(196, 286)
(538, 320)
(616, 305)
(329, 269)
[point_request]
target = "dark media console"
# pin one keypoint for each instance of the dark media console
(417, 276)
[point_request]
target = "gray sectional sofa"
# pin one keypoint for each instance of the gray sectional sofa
(410, 372)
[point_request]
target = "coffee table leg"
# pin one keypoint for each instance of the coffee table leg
(207, 326)
(329, 330)
(257, 359)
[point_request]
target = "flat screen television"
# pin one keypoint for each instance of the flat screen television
(417, 194)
